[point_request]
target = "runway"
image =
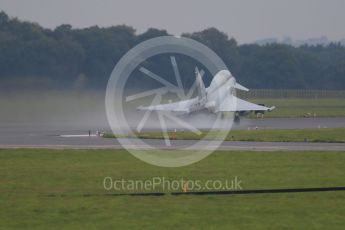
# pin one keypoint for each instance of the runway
(19, 135)
(56, 142)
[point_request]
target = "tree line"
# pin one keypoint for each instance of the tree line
(66, 57)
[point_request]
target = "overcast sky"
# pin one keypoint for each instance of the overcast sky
(245, 20)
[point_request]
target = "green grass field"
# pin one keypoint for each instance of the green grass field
(275, 135)
(299, 107)
(43, 189)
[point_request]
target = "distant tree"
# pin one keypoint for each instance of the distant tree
(151, 33)
(3, 19)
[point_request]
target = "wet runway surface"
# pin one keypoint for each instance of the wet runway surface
(22, 135)
(102, 143)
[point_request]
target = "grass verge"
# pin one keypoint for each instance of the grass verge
(325, 135)
(43, 189)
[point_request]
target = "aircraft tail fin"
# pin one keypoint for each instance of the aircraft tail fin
(200, 84)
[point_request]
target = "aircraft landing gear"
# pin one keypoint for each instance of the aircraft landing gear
(237, 119)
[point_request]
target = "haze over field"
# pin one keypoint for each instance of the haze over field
(50, 49)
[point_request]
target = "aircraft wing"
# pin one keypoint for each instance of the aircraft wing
(181, 106)
(234, 104)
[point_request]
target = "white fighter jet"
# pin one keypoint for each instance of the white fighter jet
(219, 97)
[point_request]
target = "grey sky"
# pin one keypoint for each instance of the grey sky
(244, 20)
